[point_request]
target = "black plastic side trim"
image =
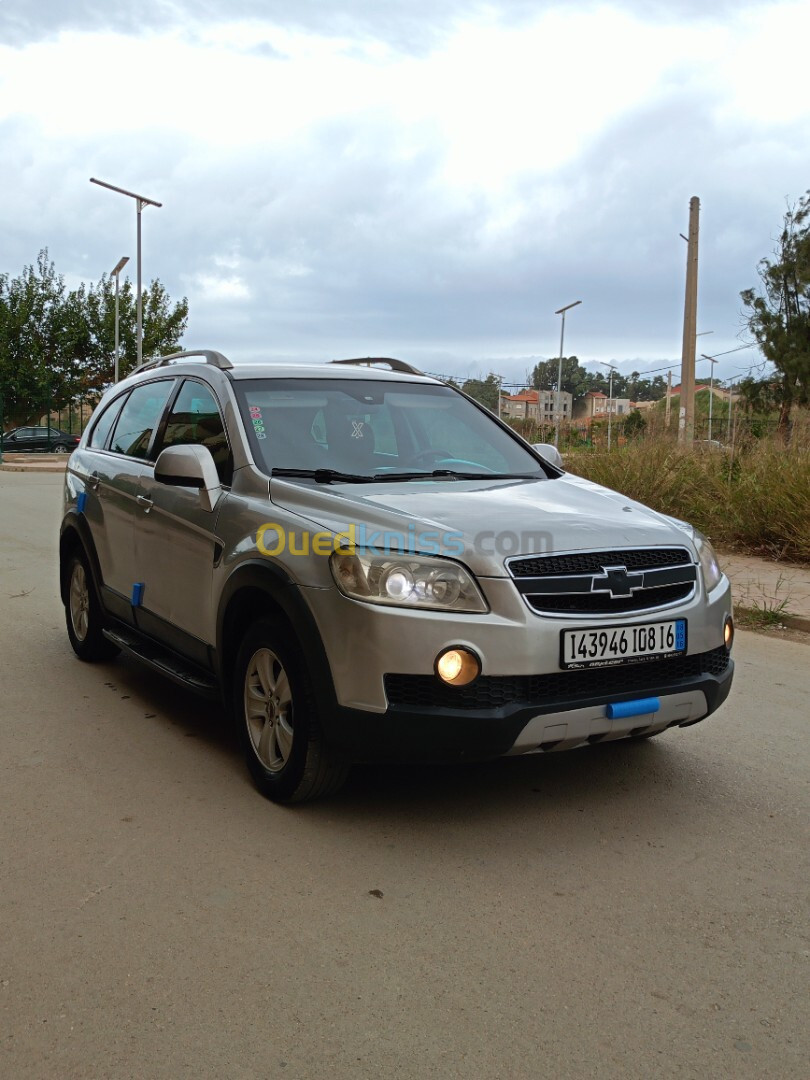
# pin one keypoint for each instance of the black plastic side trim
(177, 668)
(179, 641)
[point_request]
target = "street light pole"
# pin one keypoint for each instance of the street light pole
(610, 394)
(712, 361)
(140, 202)
(119, 266)
(562, 312)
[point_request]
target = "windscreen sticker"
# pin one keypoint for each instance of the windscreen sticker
(258, 422)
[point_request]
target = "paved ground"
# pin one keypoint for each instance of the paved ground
(630, 911)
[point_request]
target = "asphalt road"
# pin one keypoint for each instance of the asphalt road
(625, 911)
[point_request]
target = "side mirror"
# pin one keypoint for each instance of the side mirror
(550, 453)
(190, 466)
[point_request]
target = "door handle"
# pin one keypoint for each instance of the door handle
(145, 502)
(94, 481)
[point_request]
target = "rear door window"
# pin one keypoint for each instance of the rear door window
(103, 426)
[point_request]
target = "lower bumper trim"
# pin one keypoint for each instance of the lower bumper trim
(442, 734)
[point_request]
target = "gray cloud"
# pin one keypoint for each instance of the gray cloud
(346, 249)
(408, 25)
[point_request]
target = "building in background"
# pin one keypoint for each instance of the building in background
(596, 406)
(540, 405)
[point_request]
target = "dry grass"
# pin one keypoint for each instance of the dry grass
(757, 501)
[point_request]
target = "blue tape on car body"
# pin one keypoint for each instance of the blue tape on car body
(81, 501)
(137, 594)
(632, 708)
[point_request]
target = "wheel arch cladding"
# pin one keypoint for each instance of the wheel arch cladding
(257, 590)
(74, 536)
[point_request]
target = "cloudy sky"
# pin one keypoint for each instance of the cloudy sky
(427, 179)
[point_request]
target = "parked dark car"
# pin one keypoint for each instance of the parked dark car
(30, 440)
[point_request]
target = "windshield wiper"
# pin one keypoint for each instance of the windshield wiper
(453, 474)
(325, 476)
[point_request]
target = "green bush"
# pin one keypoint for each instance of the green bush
(757, 500)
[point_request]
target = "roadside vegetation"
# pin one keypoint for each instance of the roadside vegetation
(755, 499)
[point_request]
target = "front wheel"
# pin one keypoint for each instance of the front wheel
(277, 720)
(85, 625)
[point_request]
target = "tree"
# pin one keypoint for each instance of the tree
(574, 378)
(484, 390)
(635, 425)
(57, 345)
(578, 381)
(30, 339)
(779, 312)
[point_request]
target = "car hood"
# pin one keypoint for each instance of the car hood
(481, 522)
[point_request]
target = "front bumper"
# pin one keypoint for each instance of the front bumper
(365, 642)
(435, 730)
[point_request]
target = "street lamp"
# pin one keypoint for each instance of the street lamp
(119, 266)
(562, 312)
(140, 202)
(712, 360)
(610, 393)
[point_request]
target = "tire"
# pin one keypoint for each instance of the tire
(83, 617)
(277, 721)
(60, 449)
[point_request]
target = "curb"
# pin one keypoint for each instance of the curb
(32, 468)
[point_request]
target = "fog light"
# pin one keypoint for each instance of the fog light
(728, 633)
(458, 667)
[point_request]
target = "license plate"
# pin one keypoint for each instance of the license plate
(611, 645)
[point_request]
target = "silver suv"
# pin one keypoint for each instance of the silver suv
(365, 564)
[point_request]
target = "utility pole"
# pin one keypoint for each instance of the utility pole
(686, 419)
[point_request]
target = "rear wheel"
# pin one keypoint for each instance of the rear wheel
(85, 624)
(60, 448)
(277, 719)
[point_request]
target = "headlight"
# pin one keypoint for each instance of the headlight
(708, 562)
(412, 581)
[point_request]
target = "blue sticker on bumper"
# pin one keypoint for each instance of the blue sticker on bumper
(623, 709)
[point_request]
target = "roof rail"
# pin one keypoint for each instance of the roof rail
(211, 357)
(394, 365)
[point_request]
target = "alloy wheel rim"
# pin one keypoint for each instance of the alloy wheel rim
(79, 602)
(269, 710)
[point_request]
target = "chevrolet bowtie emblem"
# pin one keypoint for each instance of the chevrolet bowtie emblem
(616, 581)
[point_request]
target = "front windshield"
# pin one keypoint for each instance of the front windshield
(375, 428)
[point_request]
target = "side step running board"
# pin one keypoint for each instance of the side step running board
(164, 662)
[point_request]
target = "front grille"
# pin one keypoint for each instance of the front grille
(568, 687)
(604, 604)
(604, 582)
(591, 562)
